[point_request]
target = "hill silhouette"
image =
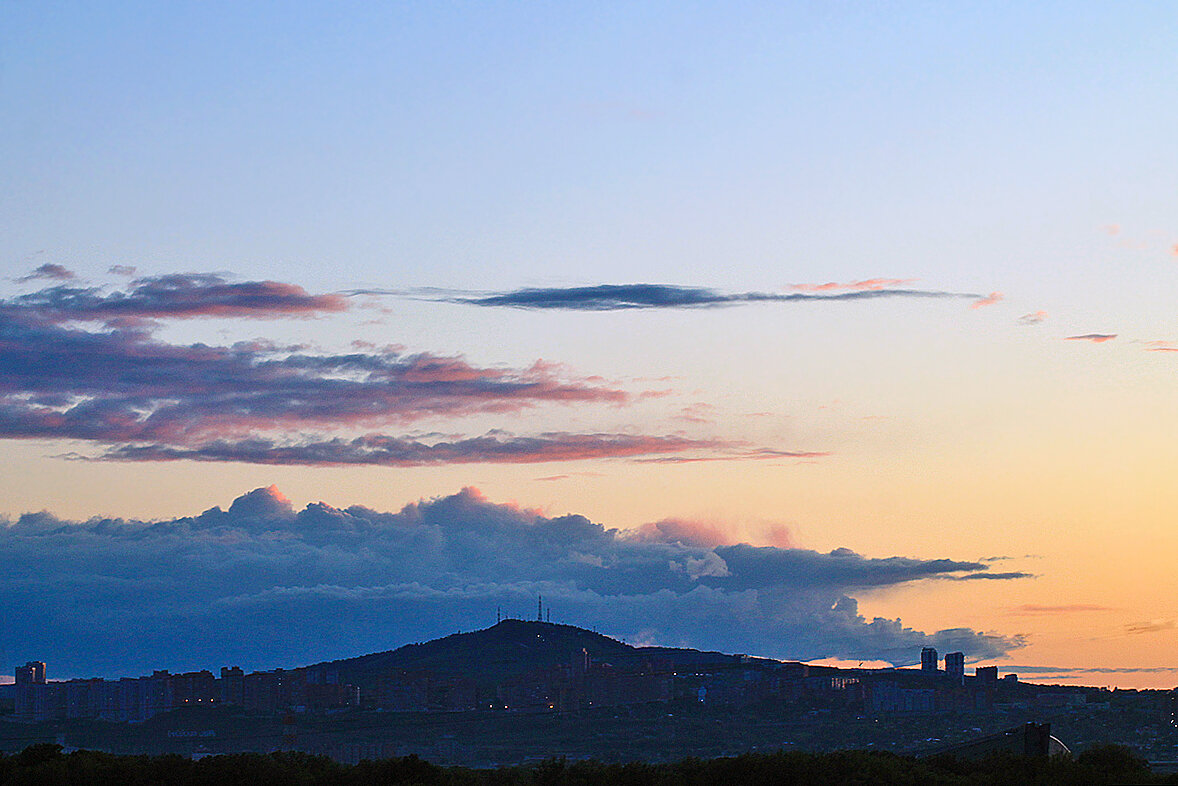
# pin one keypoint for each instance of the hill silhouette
(509, 648)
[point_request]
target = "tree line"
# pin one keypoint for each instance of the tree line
(48, 764)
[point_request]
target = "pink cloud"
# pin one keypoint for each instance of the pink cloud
(988, 300)
(865, 284)
(683, 532)
(697, 413)
(779, 536)
(143, 398)
(1161, 346)
(756, 454)
(1096, 338)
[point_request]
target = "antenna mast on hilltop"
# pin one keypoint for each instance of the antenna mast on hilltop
(539, 608)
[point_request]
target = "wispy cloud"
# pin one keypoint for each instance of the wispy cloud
(620, 297)
(1151, 626)
(1014, 574)
(568, 476)
(865, 284)
(1032, 609)
(390, 451)
(48, 272)
(988, 300)
(738, 453)
(1033, 318)
(700, 412)
(1096, 338)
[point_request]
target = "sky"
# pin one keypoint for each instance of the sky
(826, 332)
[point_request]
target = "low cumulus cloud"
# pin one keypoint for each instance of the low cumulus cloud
(86, 364)
(263, 584)
(621, 297)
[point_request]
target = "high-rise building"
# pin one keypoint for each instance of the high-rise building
(955, 666)
(32, 673)
(987, 675)
(232, 685)
(928, 659)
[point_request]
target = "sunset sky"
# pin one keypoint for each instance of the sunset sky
(824, 332)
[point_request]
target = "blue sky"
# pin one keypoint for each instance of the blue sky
(1017, 156)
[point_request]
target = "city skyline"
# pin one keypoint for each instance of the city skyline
(815, 333)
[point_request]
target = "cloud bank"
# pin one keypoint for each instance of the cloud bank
(140, 398)
(264, 585)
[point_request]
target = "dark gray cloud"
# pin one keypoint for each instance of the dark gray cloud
(49, 272)
(498, 447)
(177, 296)
(265, 585)
(617, 297)
(991, 576)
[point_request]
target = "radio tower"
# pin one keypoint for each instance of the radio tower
(539, 608)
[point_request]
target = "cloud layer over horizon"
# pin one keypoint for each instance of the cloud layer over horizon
(263, 585)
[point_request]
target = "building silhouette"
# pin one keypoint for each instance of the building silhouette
(955, 666)
(32, 673)
(928, 659)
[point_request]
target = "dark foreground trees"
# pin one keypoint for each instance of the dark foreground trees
(47, 764)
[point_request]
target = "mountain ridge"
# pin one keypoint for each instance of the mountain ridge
(512, 647)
